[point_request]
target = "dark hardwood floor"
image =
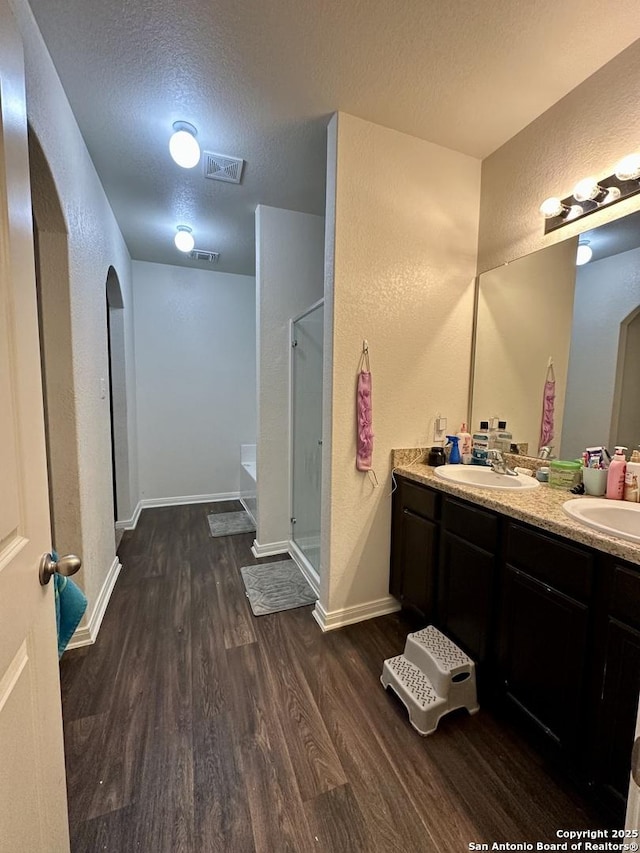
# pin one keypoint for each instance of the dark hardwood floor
(192, 726)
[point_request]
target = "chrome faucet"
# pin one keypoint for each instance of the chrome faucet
(498, 463)
(545, 452)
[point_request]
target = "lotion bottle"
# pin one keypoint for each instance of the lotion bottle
(616, 475)
(464, 443)
(632, 478)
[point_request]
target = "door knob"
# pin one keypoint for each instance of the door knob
(51, 563)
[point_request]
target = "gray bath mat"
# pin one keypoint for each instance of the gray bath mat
(272, 587)
(229, 523)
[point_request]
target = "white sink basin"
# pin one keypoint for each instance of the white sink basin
(617, 518)
(484, 478)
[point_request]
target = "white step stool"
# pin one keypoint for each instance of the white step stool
(431, 678)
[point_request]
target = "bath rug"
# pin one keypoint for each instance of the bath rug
(230, 523)
(272, 587)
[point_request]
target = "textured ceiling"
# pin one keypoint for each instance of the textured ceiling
(259, 79)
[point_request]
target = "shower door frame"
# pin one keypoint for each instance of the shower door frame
(313, 577)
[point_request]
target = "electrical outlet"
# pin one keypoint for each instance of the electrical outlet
(439, 429)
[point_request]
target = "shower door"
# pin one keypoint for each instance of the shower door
(306, 444)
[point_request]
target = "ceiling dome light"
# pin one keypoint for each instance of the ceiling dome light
(628, 169)
(184, 239)
(584, 253)
(183, 145)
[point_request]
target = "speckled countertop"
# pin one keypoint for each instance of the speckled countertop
(540, 507)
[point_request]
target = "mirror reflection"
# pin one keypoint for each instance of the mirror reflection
(584, 320)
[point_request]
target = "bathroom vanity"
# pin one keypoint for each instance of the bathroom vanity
(549, 610)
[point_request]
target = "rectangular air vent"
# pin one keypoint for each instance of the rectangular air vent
(219, 167)
(203, 255)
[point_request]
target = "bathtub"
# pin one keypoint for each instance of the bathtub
(248, 479)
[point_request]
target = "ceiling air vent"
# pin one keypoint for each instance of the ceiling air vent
(219, 167)
(203, 255)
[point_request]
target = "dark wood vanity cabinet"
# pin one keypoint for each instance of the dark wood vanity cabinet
(414, 548)
(553, 625)
(617, 689)
(466, 576)
(545, 632)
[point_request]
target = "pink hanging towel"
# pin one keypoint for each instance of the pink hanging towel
(364, 455)
(548, 407)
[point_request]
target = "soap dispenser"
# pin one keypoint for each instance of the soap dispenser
(454, 453)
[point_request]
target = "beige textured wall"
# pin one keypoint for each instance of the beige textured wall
(400, 263)
(585, 133)
(517, 331)
(94, 244)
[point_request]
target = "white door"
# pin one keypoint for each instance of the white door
(633, 803)
(33, 800)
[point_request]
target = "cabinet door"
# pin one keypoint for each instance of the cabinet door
(543, 652)
(465, 594)
(618, 710)
(417, 563)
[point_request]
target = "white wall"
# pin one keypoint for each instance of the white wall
(400, 267)
(607, 291)
(94, 244)
(289, 279)
(195, 375)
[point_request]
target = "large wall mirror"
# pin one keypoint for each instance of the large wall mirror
(585, 320)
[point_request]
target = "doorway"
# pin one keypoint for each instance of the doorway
(117, 382)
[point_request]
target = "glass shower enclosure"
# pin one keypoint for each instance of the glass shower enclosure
(306, 442)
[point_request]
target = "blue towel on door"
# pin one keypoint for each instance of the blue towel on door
(71, 603)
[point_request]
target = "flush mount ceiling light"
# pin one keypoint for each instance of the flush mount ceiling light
(183, 145)
(584, 253)
(184, 238)
(591, 194)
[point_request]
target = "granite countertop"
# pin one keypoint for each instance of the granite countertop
(540, 507)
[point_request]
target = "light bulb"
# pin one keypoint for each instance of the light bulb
(584, 253)
(184, 239)
(628, 169)
(551, 207)
(586, 190)
(183, 145)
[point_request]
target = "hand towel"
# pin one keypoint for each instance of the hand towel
(71, 603)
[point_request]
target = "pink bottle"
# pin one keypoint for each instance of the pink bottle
(615, 477)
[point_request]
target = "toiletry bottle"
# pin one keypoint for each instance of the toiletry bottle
(504, 437)
(480, 444)
(632, 478)
(464, 443)
(454, 453)
(494, 443)
(615, 477)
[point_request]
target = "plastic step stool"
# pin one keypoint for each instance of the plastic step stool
(431, 678)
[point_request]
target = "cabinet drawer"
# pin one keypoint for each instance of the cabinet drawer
(625, 596)
(420, 499)
(563, 567)
(474, 525)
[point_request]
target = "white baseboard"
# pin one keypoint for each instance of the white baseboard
(329, 621)
(310, 574)
(87, 634)
(269, 549)
(150, 503)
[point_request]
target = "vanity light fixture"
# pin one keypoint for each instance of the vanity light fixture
(183, 145)
(184, 238)
(584, 253)
(591, 194)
